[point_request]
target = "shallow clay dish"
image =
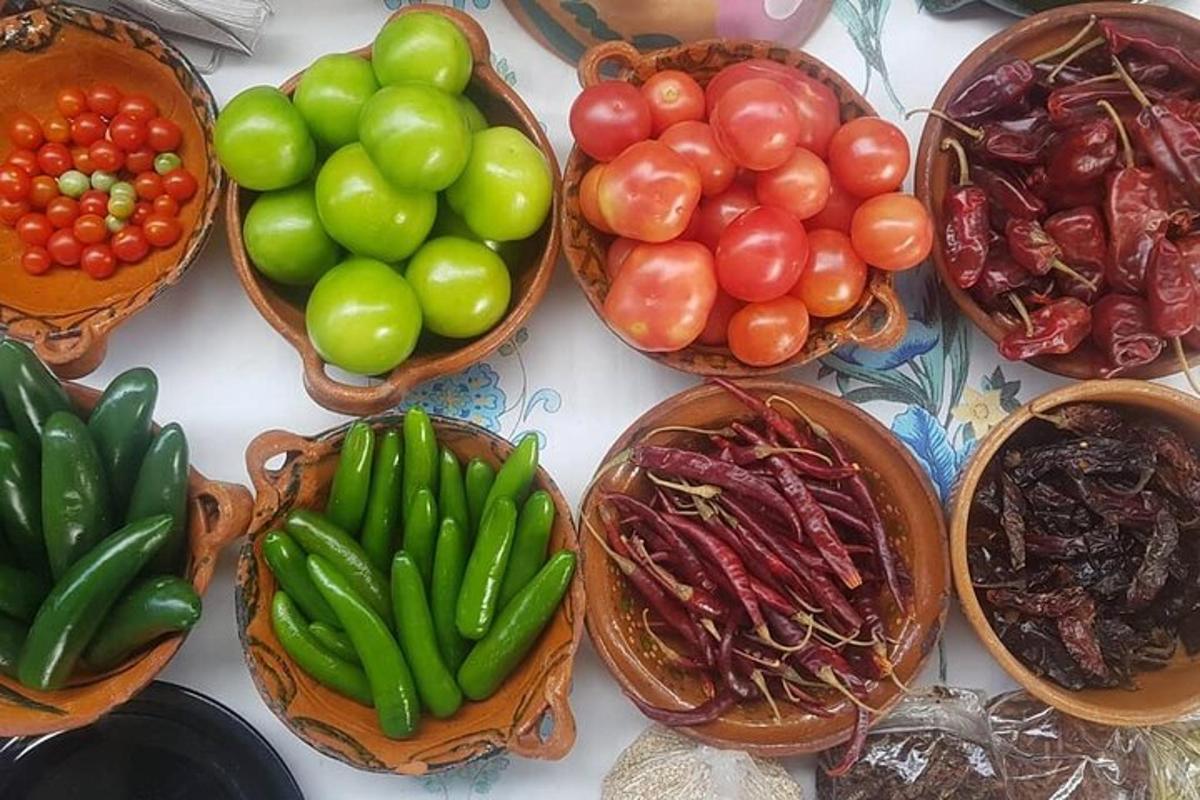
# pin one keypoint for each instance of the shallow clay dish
(218, 514)
(1165, 695)
(878, 320)
(936, 170)
(284, 307)
(65, 314)
(529, 716)
(910, 510)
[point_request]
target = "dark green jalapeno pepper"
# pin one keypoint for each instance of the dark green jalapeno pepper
(21, 502)
(449, 564)
(478, 481)
(452, 494)
(162, 488)
(29, 391)
(420, 531)
(75, 505)
(318, 536)
(121, 425)
(334, 641)
(12, 639)
(352, 481)
(325, 668)
(383, 504)
(289, 565)
(414, 624)
(485, 569)
(529, 544)
(420, 455)
(148, 611)
(21, 592)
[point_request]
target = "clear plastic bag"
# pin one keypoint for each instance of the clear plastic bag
(935, 745)
(1174, 761)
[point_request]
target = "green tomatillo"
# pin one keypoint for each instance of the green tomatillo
(417, 135)
(262, 141)
(285, 239)
(463, 287)
(330, 95)
(504, 192)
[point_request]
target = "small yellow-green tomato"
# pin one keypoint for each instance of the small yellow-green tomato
(463, 287)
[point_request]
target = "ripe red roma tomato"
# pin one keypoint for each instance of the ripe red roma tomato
(618, 251)
(869, 156)
(716, 329)
(648, 192)
(609, 117)
(755, 123)
(892, 231)
(695, 141)
(761, 255)
(714, 214)
(674, 97)
(661, 298)
(838, 211)
(799, 185)
(834, 276)
(766, 334)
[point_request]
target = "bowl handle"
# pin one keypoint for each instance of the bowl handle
(75, 356)
(261, 450)
(528, 742)
(357, 401)
(481, 50)
(623, 53)
(227, 508)
(866, 330)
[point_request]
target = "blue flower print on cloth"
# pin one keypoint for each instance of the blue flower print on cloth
(473, 395)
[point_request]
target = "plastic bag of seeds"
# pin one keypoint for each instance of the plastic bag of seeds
(935, 745)
(1174, 761)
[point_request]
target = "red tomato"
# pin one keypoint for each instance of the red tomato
(138, 106)
(609, 117)
(12, 210)
(87, 129)
(892, 231)
(93, 202)
(869, 156)
(25, 131)
(90, 229)
(71, 102)
(838, 211)
(179, 184)
(161, 230)
(662, 296)
(26, 160)
(755, 123)
(165, 204)
(163, 135)
(106, 156)
(62, 212)
(148, 185)
(64, 248)
(715, 213)
(36, 261)
(42, 190)
(834, 277)
(618, 251)
(82, 160)
(716, 329)
(766, 334)
(817, 106)
(127, 132)
(799, 186)
(674, 97)
(589, 201)
(648, 192)
(140, 160)
(98, 261)
(14, 183)
(57, 130)
(34, 228)
(54, 159)
(129, 244)
(761, 254)
(695, 141)
(104, 99)
(141, 212)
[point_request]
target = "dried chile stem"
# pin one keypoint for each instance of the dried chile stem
(1066, 46)
(703, 490)
(964, 167)
(1124, 134)
(673, 655)
(1022, 312)
(687, 429)
(761, 683)
(1084, 48)
(1134, 89)
(1066, 269)
(829, 677)
(1177, 343)
(976, 134)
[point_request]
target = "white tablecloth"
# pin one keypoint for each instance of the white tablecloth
(227, 376)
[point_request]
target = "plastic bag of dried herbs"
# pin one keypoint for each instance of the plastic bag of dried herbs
(935, 745)
(1175, 761)
(1048, 755)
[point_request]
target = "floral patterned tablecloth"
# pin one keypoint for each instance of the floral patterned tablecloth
(227, 376)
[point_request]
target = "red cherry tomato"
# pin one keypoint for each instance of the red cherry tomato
(179, 184)
(25, 131)
(618, 251)
(82, 160)
(761, 254)
(71, 102)
(163, 135)
(165, 204)
(36, 261)
(87, 129)
(662, 296)
(57, 130)
(648, 192)
(129, 244)
(869, 156)
(892, 231)
(834, 277)
(62, 212)
(98, 261)
(12, 210)
(104, 99)
(148, 185)
(766, 334)
(695, 141)
(34, 228)
(609, 117)
(715, 213)
(26, 160)
(127, 132)
(674, 97)
(817, 107)
(93, 202)
(838, 211)
(161, 230)
(42, 190)
(138, 106)
(755, 123)
(716, 329)
(799, 186)
(64, 248)
(106, 156)
(141, 212)
(140, 160)
(90, 229)
(14, 183)
(589, 200)
(54, 159)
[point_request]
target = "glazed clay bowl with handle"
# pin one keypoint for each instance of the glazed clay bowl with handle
(529, 716)
(218, 513)
(66, 315)
(912, 516)
(937, 171)
(1161, 696)
(877, 321)
(284, 309)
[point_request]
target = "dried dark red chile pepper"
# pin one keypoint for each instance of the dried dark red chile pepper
(1080, 234)
(1169, 46)
(1036, 250)
(1121, 332)
(997, 90)
(1082, 154)
(1008, 196)
(1056, 328)
(965, 238)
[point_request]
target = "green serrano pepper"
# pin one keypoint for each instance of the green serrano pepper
(148, 611)
(516, 474)
(485, 569)
(383, 504)
(12, 639)
(29, 391)
(122, 426)
(6, 422)
(391, 682)
(320, 537)
(452, 494)
(75, 513)
(420, 532)
(303, 648)
(435, 684)
(334, 641)
(449, 564)
(21, 592)
(479, 479)
(162, 488)
(496, 655)
(21, 502)
(420, 455)
(352, 480)
(288, 562)
(529, 544)
(79, 602)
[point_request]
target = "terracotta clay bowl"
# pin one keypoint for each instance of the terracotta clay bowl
(218, 514)
(878, 320)
(529, 716)
(284, 309)
(1162, 696)
(65, 314)
(935, 170)
(910, 510)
